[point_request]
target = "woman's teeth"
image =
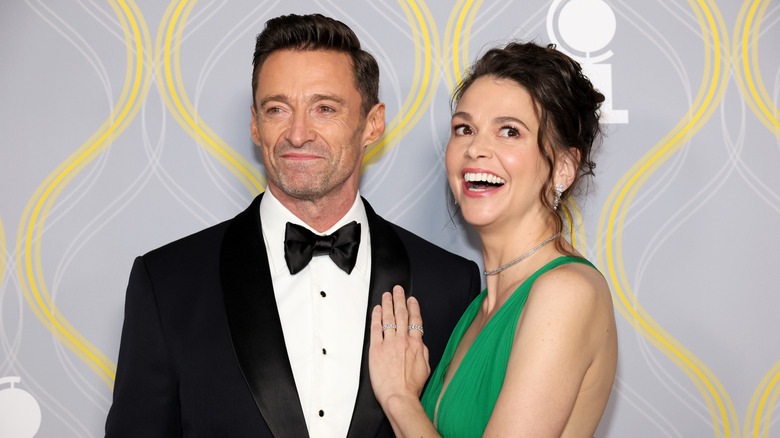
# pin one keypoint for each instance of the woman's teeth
(479, 181)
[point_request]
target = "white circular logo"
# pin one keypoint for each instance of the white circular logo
(587, 25)
(20, 415)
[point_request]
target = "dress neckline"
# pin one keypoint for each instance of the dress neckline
(472, 313)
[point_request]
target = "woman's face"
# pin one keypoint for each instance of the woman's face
(494, 165)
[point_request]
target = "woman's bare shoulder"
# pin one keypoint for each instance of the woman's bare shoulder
(574, 287)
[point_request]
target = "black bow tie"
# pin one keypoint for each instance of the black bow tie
(300, 245)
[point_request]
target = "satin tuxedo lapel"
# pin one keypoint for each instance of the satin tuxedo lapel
(389, 266)
(256, 331)
(255, 327)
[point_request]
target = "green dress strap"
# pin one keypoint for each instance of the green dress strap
(471, 395)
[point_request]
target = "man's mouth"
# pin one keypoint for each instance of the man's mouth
(481, 181)
(299, 156)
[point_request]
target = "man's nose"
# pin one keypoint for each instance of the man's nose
(301, 129)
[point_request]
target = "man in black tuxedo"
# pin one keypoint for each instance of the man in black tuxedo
(258, 326)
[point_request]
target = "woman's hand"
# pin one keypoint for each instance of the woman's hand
(398, 364)
(397, 358)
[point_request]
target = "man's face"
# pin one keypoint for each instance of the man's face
(307, 122)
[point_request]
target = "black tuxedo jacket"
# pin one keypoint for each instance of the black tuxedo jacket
(202, 351)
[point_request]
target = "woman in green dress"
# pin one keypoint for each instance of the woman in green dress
(535, 354)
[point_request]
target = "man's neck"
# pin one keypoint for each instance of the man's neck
(320, 214)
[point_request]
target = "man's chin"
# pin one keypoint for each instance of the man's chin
(300, 191)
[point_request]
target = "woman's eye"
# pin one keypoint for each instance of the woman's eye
(508, 131)
(462, 130)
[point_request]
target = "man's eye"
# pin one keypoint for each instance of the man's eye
(327, 109)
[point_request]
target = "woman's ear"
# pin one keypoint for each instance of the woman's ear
(566, 167)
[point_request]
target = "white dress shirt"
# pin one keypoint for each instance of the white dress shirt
(323, 314)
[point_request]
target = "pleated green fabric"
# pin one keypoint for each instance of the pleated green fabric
(466, 406)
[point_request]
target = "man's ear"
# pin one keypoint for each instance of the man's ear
(375, 124)
(566, 167)
(255, 128)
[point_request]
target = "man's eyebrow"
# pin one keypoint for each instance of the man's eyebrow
(276, 97)
(314, 98)
(331, 97)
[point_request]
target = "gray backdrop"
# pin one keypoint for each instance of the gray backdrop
(126, 125)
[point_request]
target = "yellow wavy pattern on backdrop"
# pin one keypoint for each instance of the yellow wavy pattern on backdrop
(458, 34)
(168, 44)
(612, 219)
(32, 226)
(748, 74)
(427, 64)
(746, 67)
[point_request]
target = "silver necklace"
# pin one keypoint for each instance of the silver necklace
(522, 257)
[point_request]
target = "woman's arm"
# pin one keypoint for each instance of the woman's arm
(566, 326)
(398, 364)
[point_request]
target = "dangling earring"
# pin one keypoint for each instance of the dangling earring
(558, 192)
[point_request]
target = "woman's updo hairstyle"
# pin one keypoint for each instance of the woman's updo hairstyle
(566, 104)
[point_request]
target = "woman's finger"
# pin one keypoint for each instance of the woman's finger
(376, 326)
(401, 314)
(415, 318)
(388, 317)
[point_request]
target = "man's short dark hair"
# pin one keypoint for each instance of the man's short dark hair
(317, 32)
